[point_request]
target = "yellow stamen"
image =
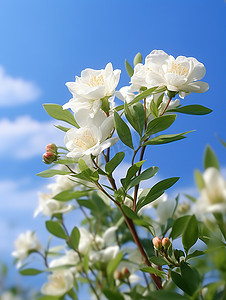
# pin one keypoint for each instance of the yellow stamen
(96, 81)
(178, 69)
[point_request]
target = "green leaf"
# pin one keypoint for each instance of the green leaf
(179, 226)
(129, 69)
(159, 124)
(123, 131)
(210, 159)
(113, 264)
(148, 173)
(195, 254)
(159, 261)
(136, 116)
(154, 109)
(190, 277)
(112, 295)
(74, 238)
(86, 172)
(155, 192)
(137, 59)
(166, 295)
(190, 234)
(52, 172)
(57, 112)
(55, 229)
(30, 272)
(114, 162)
(166, 138)
(70, 195)
(164, 184)
(65, 129)
(192, 110)
(147, 93)
(132, 171)
(199, 180)
(154, 271)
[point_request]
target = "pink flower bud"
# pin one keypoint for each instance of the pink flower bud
(51, 148)
(157, 243)
(166, 243)
(118, 275)
(125, 272)
(49, 157)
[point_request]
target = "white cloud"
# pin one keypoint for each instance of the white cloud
(16, 91)
(25, 137)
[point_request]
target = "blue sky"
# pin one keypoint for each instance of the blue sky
(44, 44)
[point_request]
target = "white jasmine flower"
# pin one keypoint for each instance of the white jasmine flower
(126, 93)
(91, 87)
(25, 243)
(49, 206)
(70, 258)
(60, 282)
(213, 195)
(91, 139)
(104, 255)
(85, 240)
(178, 75)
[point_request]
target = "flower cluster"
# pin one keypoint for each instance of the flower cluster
(124, 246)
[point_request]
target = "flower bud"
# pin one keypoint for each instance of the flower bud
(166, 243)
(51, 148)
(49, 157)
(118, 275)
(157, 243)
(125, 272)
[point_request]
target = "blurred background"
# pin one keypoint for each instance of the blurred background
(46, 43)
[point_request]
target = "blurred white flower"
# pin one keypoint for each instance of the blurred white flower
(126, 93)
(62, 183)
(91, 87)
(70, 258)
(104, 255)
(178, 75)
(213, 195)
(91, 139)
(9, 296)
(25, 243)
(165, 209)
(60, 282)
(48, 206)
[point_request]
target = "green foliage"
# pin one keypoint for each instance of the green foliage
(113, 264)
(70, 195)
(129, 69)
(123, 130)
(147, 174)
(210, 159)
(166, 138)
(114, 162)
(179, 226)
(154, 271)
(159, 124)
(192, 110)
(56, 229)
(199, 180)
(52, 172)
(74, 238)
(57, 112)
(30, 272)
(136, 116)
(147, 93)
(190, 234)
(166, 295)
(112, 294)
(64, 129)
(189, 279)
(137, 59)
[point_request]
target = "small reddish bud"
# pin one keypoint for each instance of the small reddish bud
(118, 275)
(51, 148)
(49, 157)
(125, 272)
(157, 243)
(166, 243)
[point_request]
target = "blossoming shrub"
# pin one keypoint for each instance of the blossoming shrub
(133, 243)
